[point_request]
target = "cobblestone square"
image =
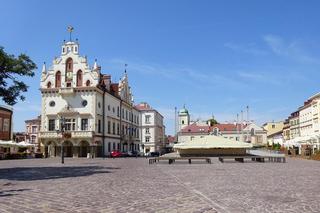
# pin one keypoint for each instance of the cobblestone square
(131, 185)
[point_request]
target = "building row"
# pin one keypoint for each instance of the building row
(248, 132)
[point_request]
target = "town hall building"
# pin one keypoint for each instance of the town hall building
(99, 115)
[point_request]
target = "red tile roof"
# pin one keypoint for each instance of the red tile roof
(227, 127)
(194, 128)
(143, 106)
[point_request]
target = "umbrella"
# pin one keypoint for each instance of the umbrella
(7, 143)
(25, 144)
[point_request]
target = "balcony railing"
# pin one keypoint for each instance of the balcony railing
(74, 134)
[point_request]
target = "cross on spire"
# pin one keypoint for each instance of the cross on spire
(70, 30)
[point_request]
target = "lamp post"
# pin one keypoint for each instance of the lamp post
(61, 130)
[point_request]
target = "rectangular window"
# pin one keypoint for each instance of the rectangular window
(122, 113)
(0, 124)
(147, 119)
(109, 127)
(118, 112)
(147, 139)
(147, 130)
(109, 147)
(114, 146)
(118, 146)
(84, 124)
(70, 124)
(51, 125)
(99, 126)
(6, 122)
(34, 129)
(126, 115)
(118, 129)
(113, 128)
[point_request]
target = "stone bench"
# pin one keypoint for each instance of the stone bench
(256, 158)
(173, 159)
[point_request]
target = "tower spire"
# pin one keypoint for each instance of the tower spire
(44, 68)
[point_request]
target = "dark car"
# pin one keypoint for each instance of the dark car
(124, 154)
(154, 154)
(116, 154)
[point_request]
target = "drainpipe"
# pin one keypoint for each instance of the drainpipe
(103, 124)
(121, 134)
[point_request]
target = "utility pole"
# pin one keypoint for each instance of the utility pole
(237, 125)
(175, 121)
(248, 123)
(242, 125)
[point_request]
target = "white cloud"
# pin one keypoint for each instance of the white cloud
(293, 49)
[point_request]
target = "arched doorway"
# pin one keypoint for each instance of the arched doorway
(84, 149)
(67, 149)
(50, 149)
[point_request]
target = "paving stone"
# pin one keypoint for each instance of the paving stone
(132, 185)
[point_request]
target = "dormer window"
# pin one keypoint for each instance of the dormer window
(49, 85)
(75, 49)
(88, 83)
(63, 50)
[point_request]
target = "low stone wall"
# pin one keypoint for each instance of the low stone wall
(211, 152)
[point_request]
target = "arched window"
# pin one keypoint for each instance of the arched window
(49, 84)
(69, 71)
(79, 78)
(58, 79)
(88, 83)
(182, 121)
(252, 132)
(69, 65)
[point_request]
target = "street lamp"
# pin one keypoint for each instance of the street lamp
(62, 130)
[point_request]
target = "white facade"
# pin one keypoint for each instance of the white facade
(100, 115)
(305, 117)
(152, 129)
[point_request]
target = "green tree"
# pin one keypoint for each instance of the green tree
(212, 121)
(12, 67)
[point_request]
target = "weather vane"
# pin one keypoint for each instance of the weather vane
(70, 30)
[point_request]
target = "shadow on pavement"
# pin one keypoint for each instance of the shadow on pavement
(11, 192)
(45, 173)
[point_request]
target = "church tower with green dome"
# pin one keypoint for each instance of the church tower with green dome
(183, 118)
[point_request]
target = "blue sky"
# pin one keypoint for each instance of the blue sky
(216, 57)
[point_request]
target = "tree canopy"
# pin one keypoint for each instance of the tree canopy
(212, 121)
(11, 68)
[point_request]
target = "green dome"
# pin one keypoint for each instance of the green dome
(183, 111)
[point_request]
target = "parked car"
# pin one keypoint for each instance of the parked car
(153, 154)
(116, 154)
(124, 154)
(133, 154)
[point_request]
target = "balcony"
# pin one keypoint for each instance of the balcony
(66, 91)
(74, 134)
